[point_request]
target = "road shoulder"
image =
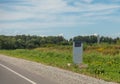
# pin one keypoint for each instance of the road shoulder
(58, 75)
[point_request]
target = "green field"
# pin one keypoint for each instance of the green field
(103, 60)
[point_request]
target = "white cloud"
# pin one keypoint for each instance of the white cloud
(115, 35)
(50, 13)
(95, 7)
(5, 16)
(61, 34)
(87, 1)
(115, 0)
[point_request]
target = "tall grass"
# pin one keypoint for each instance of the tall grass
(100, 64)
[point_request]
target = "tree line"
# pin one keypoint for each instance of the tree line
(94, 39)
(29, 42)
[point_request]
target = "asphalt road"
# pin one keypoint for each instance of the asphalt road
(10, 74)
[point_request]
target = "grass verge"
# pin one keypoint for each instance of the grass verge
(103, 66)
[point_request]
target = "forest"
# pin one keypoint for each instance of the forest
(30, 42)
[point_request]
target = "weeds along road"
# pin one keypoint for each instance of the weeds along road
(19, 71)
(10, 74)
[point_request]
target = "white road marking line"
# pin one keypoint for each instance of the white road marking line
(18, 74)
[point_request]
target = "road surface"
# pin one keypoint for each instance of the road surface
(10, 74)
(19, 71)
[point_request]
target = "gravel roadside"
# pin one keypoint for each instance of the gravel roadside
(59, 75)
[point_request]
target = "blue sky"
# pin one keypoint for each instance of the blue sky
(60, 17)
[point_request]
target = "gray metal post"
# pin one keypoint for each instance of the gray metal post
(98, 39)
(77, 52)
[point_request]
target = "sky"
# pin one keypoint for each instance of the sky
(66, 18)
